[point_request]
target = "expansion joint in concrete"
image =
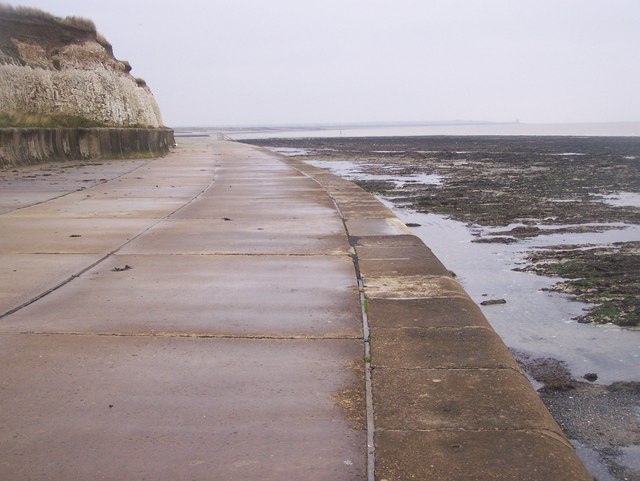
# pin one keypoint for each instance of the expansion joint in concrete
(81, 189)
(366, 336)
(188, 335)
(244, 254)
(112, 252)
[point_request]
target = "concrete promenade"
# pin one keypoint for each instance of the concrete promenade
(206, 316)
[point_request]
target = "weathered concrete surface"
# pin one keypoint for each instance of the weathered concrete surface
(455, 454)
(450, 402)
(25, 276)
(207, 325)
(167, 408)
(203, 322)
(213, 295)
(26, 146)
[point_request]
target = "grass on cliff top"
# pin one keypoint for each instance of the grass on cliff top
(66, 24)
(79, 23)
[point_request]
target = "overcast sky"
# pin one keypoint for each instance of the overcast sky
(225, 62)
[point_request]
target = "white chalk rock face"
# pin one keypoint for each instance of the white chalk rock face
(78, 78)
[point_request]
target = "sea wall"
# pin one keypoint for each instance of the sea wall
(448, 400)
(33, 146)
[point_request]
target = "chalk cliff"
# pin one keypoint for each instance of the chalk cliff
(62, 73)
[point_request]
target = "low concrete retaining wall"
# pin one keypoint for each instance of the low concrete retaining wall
(33, 146)
(450, 402)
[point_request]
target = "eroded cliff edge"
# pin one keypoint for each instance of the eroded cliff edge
(62, 73)
(64, 96)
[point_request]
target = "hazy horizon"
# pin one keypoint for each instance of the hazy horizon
(251, 62)
(382, 123)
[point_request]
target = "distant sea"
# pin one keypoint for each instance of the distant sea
(610, 129)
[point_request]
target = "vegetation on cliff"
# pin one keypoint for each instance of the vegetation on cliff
(60, 72)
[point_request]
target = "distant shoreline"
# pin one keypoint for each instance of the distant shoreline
(410, 129)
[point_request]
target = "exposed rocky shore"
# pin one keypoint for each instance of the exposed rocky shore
(517, 188)
(531, 186)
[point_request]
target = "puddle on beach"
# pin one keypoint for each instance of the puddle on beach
(626, 457)
(591, 460)
(354, 171)
(534, 321)
(290, 151)
(621, 199)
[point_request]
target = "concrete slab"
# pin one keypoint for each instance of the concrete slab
(477, 456)
(60, 235)
(238, 168)
(254, 172)
(149, 189)
(306, 296)
(20, 198)
(87, 206)
(166, 168)
(439, 348)
(25, 276)
(30, 185)
(363, 212)
(67, 176)
(428, 312)
(220, 192)
(411, 287)
(376, 227)
(447, 399)
(406, 240)
(245, 235)
(302, 193)
(100, 407)
(272, 178)
(423, 262)
(215, 205)
(377, 252)
(360, 209)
